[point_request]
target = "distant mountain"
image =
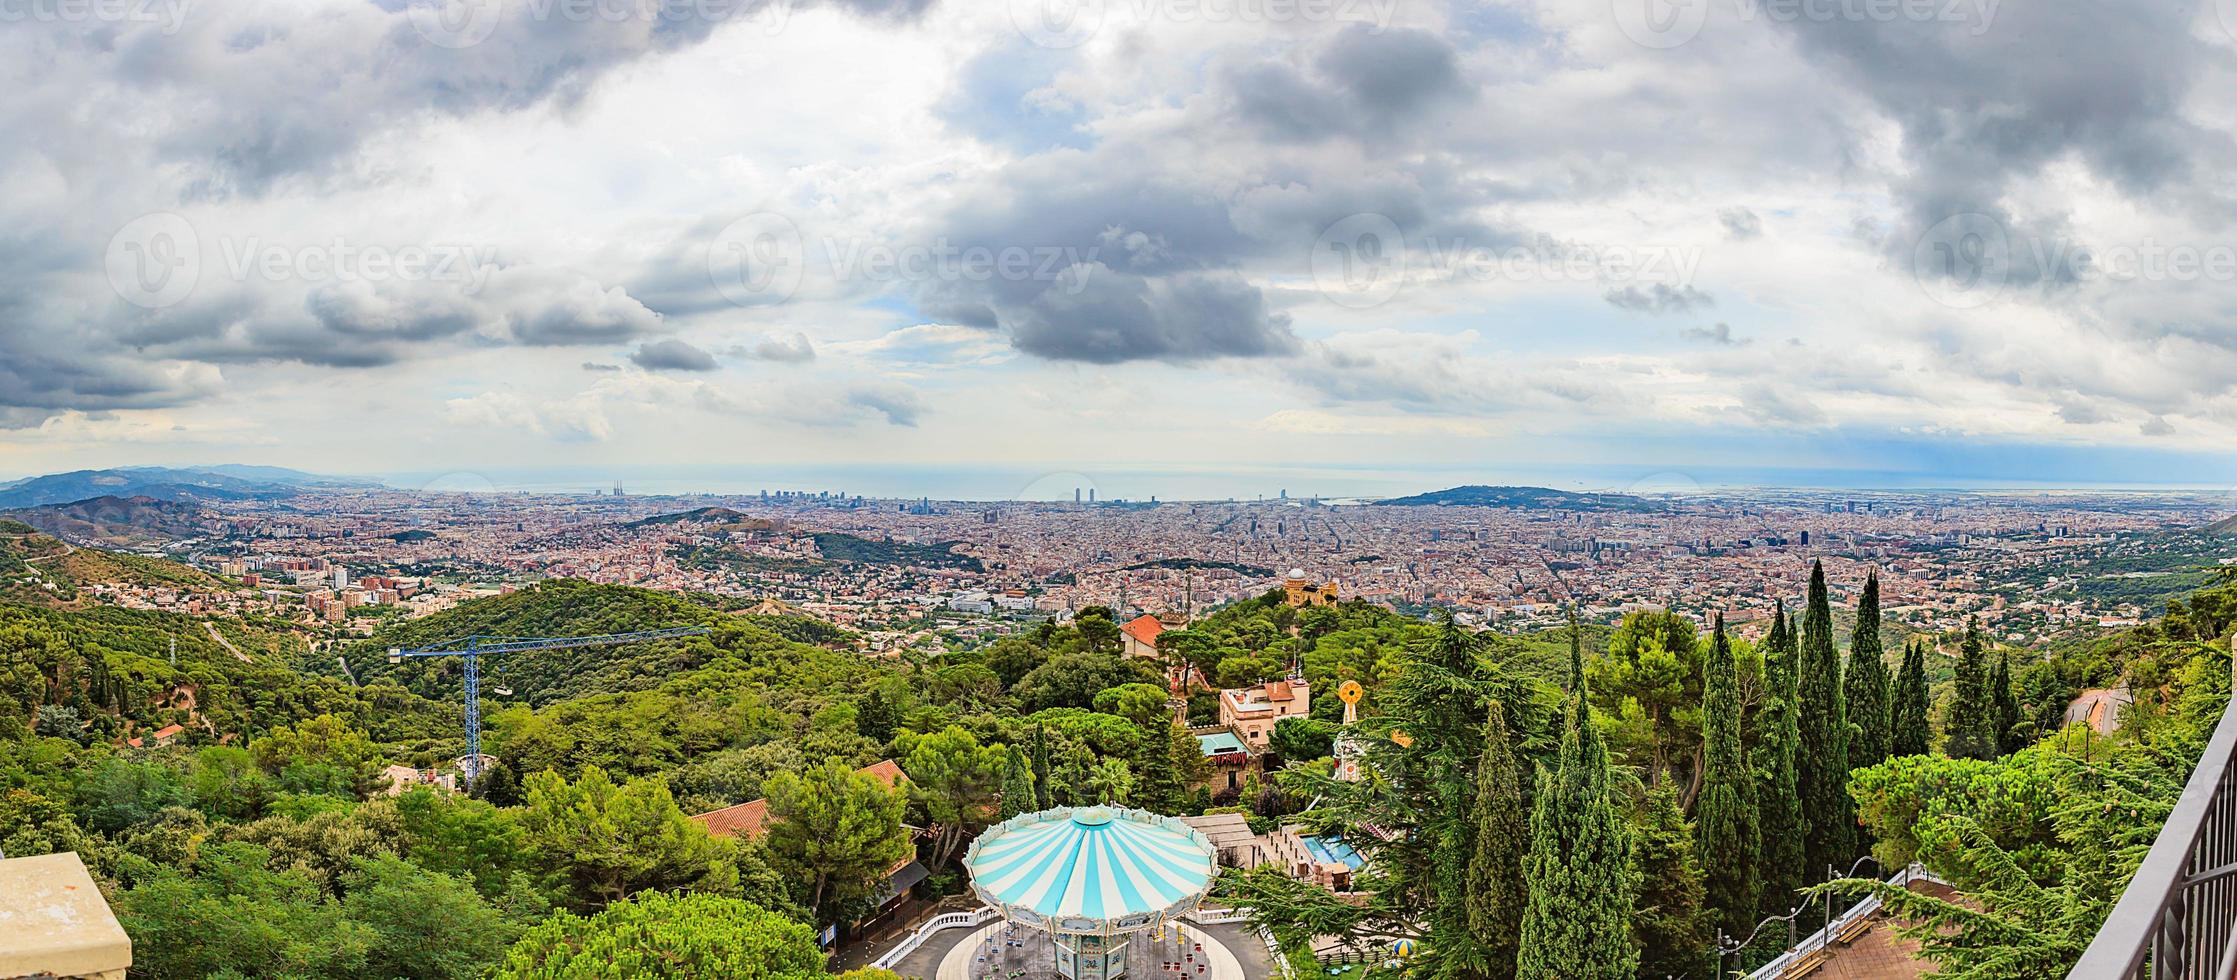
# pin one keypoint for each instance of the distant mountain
(282, 476)
(2226, 527)
(126, 522)
(164, 483)
(1523, 498)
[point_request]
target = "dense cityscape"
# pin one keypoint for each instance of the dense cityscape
(922, 572)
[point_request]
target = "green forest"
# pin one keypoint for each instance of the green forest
(1597, 801)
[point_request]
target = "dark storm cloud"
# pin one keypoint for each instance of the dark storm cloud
(672, 355)
(1659, 298)
(1740, 223)
(1719, 334)
(779, 346)
(1984, 110)
(1362, 83)
(1118, 317)
(302, 90)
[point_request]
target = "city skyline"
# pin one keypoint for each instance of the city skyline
(426, 237)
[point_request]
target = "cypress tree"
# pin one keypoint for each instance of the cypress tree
(1972, 718)
(1044, 795)
(1822, 768)
(1908, 733)
(1017, 786)
(1779, 795)
(1864, 685)
(1726, 811)
(2005, 706)
(1497, 892)
(1577, 923)
(1157, 785)
(1576, 653)
(1670, 926)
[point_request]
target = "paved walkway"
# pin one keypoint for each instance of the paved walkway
(1000, 952)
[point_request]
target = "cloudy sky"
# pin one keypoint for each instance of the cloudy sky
(1677, 239)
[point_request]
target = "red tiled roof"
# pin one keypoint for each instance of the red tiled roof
(1144, 628)
(751, 819)
(1279, 691)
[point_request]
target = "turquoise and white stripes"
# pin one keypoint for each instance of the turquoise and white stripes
(1102, 864)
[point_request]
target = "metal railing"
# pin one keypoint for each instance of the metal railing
(947, 920)
(2177, 920)
(1825, 938)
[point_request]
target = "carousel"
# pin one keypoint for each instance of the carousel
(1081, 890)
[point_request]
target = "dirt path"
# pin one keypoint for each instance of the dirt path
(227, 644)
(68, 549)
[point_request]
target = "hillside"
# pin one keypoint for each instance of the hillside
(112, 671)
(120, 522)
(703, 515)
(1524, 498)
(2226, 527)
(40, 569)
(562, 607)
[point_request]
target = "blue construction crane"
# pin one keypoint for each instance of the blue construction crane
(473, 647)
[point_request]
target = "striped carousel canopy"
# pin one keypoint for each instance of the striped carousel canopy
(1092, 869)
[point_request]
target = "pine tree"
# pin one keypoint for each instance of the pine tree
(2005, 706)
(1497, 891)
(1726, 809)
(1671, 927)
(1577, 923)
(1822, 768)
(1864, 685)
(1017, 785)
(1908, 733)
(1779, 794)
(1972, 718)
(1044, 795)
